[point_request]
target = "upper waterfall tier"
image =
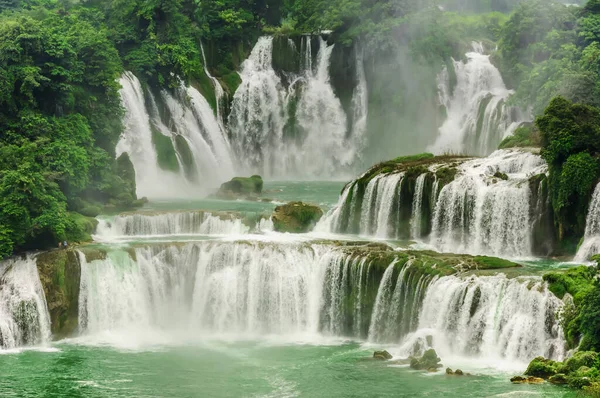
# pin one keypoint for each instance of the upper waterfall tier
(176, 144)
(292, 123)
(496, 205)
(477, 115)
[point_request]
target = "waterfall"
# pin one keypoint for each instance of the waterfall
(591, 242)
(303, 289)
(477, 115)
(219, 92)
(378, 204)
(416, 219)
(24, 318)
(178, 223)
(486, 209)
(296, 126)
(258, 114)
(186, 128)
(480, 214)
(490, 317)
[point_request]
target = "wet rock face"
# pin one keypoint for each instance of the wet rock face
(296, 217)
(382, 355)
(429, 361)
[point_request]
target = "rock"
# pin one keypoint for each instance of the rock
(296, 217)
(501, 175)
(542, 367)
(382, 355)
(459, 372)
(449, 371)
(559, 378)
(523, 380)
(428, 361)
(241, 187)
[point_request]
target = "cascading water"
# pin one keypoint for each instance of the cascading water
(24, 318)
(490, 317)
(192, 133)
(304, 289)
(591, 242)
(219, 92)
(480, 213)
(486, 209)
(301, 129)
(477, 115)
(177, 224)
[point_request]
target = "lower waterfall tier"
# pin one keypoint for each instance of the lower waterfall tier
(251, 289)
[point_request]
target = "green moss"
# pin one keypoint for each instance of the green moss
(576, 281)
(165, 152)
(446, 175)
(205, 86)
(525, 136)
(79, 228)
(60, 273)
(501, 175)
(493, 262)
(541, 367)
(242, 186)
(296, 217)
(413, 158)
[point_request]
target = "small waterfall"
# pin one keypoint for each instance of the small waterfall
(591, 242)
(481, 214)
(378, 205)
(477, 115)
(179, 223)
(296, 125)
(258, 114)
(490, 317)
(187, 129)
(416, 219)
(24, 318)
(219, 92)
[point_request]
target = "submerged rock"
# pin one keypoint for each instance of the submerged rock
(429, 361)
(382, 355)
(241, 187)
(296, 217)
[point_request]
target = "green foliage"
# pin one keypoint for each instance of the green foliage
(541, 367)
(571, 145)
(413, 158)
(523, 137)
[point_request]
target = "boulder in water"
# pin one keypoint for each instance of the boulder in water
(542, 367)
(429, 361)
(382, 355)
(241, 187)
(526, 380)
(296, 217)
(559, 378)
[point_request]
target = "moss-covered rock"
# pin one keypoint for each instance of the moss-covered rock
(382, 355)
(241, 187)
(542, 367)
(558, 379)
(60, 273)
(429, 361)
(296, 217)
(587, 359)
(79, 228)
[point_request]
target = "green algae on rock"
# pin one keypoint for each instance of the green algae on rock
(241, 187)
(296, 217)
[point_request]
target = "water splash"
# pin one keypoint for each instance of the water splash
(416, 218)
(591, 242)
(24, 318)
(477, 115)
